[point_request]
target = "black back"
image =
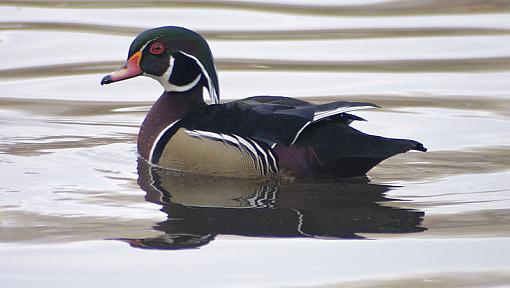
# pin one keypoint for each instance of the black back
(271, 119)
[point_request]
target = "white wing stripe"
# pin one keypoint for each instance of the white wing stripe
(252, 150)
(299, 132)
(262, 159)
(246, 144)
(207, 134)
(230, 138)
(266, 160)
(274, 165)
(323, 114)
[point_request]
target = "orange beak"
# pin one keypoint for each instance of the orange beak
(129, 70)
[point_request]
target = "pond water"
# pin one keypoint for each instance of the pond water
(77, 208)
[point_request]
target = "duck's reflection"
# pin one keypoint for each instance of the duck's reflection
(199, 208)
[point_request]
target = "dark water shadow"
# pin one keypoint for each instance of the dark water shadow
(200, 208)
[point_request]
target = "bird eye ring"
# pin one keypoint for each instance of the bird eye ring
(157, 48)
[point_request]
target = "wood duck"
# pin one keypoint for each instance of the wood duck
(257, 137)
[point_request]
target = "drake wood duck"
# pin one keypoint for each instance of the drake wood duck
(256, 137)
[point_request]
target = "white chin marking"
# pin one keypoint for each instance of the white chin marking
(169, 87)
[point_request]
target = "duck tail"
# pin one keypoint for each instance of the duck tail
(419, 147)
(405, 144)
(342, 151)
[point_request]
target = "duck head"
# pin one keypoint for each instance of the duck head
(178, 58)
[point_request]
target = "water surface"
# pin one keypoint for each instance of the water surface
(77, 206)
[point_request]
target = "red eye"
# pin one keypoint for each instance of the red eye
(157, 48)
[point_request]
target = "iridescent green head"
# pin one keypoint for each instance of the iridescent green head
(178, 58)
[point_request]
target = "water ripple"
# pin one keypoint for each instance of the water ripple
(486, 64)
(244, 35)
(385, 8)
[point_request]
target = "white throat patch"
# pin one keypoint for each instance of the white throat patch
(169, 87)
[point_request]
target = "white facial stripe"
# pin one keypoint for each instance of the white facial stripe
(145, 45)
(212, 91)
(170, 87)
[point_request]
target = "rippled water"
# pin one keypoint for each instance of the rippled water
(76, 204)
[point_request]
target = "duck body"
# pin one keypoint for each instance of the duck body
(257, 137)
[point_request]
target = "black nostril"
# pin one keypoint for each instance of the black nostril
(106, 80)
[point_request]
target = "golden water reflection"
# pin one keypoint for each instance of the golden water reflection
(200, 208)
